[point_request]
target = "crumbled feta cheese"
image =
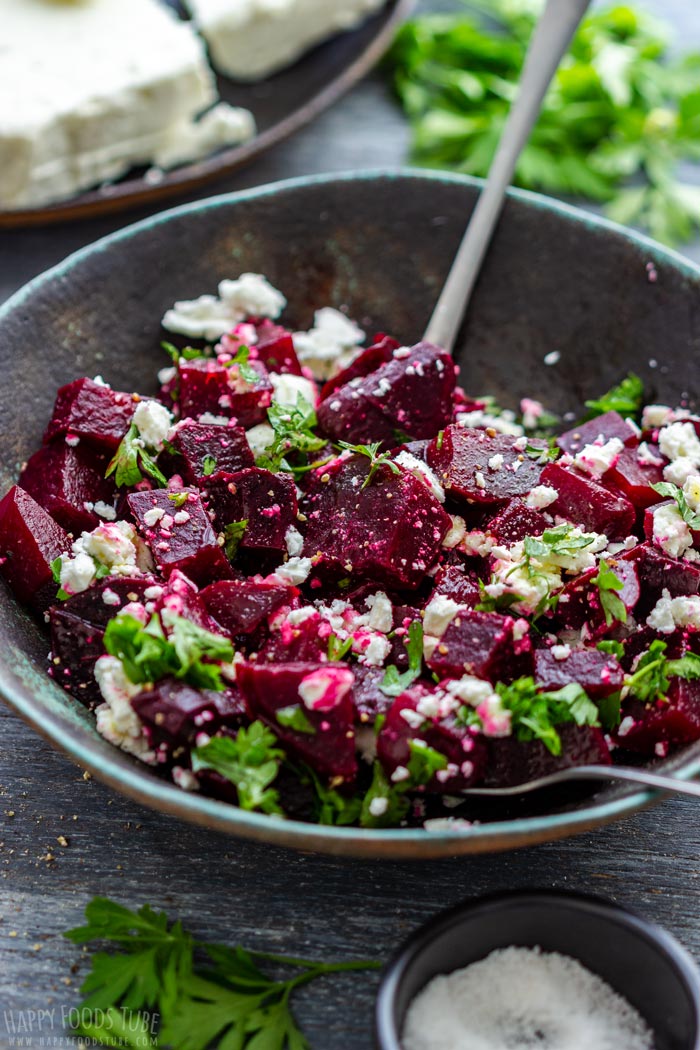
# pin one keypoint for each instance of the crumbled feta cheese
(330, 345)
(679, 440)
(599, 457)
(381, 613)
(103, 510)
(324, 689)
(691, 491)
(110, 597)
(470, 690)
(77, 573)
(297, 616)
(153, 422)
(496, 462)
(502, 424)
(378, 806)
(477, 543)
(294, 542)
(495, 719)
(561, 652)
(400, 774)
(670, 532)
(260, 438)
(210, 316)
(376, 652)
(211, 420)
(116, 720)
(251, 295)
(646, 458)
(222, 125)
(288, 389)
(456, 533)
(439, 614)
(670, 613)
(541, 496)
(680, 470)
(479, 479)
(654, 416)
(294, 571)
(185, 779)
(626, 725)
(115, 545)
(153, 516)
(422, 472)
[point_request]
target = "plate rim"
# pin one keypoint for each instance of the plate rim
(139, 784)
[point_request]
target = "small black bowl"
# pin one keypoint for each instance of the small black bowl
(637, 959)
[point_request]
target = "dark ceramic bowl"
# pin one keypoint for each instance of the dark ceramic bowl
(640, 961)
(381, 244)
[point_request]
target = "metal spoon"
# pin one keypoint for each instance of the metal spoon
(630, 774)
(547, 48)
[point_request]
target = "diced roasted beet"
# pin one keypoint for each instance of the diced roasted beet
(207, 448)
(107, 597)
(369, 360)
(181, 596)
(180, 534)
(92, 412)
(666, 723)
(267, 501)
(482, 644)
(579, 602)
(458, 583)
(303, 642)
(512, 761)
(658, 572)
(515, 522)
(588, 504)
(320, 695)
(209, 387)
(30, 540)
(609, 425)
(241, 606)
(634, 479)
(599, 674)
(464, 750)
(174, 714)
(75, 647)
(461, 456)
(389, 531)
(67, 480)
(411, 393)
(275, 348)
(367, 697)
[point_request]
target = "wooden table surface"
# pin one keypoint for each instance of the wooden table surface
(268, 898)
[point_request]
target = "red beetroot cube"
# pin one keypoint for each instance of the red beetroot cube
(634, 479)
(654, 728)
(461, 457)
(305, 642)
(366, 362)
(93, 412)
(67, 481)
(107, 597)
(658, 572)
(412, 393)
(209, 387)
(515, 522)
(30, 540)
(389, 531)
(458, 583)
(75, 647)
(511, 761)
(367, 697)
(588, 504)
(174, 715)
(482, 644)
(180, 534)
(405, 722)
(609, 425)
(181, 596)
(579, 602)
(207, 448)
(275, 349)
(599, 674)
(241, 606)
(267, 501)
(309, 706)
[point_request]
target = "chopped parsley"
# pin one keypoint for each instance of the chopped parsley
(338, 649)
(132, 461)
(240, 361)
(377, 459)
(331, 807)
(626, 399)
(653, 672)
(670, 491)
(178, 498)
(495, 603)
(251, 761)
(536, 713)
(608, 583)
(233, 534)
(208, 466)
(423, 763)
(294, 435)
(396, 682)
(294, 717)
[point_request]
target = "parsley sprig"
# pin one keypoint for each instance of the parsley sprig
(132, 461)
(377, 459)
(670, 491)
(627, 399)
(653, 672)
(536, 713)
(608, 583)
(250, 761)
(240, 363)
(203, 993)
(619, 116)
(396, 682)
(294, 435)
(422, 765)
(148, 654)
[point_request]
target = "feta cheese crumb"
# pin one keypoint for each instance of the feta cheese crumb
(294, 542)
(260, 438)
(330, 345)
(456, 533)
(103, 510)
(439, 614)
(541, 496)
(116, 720)
(422, 472)
(670, 532)
(654, 416)
(210, 316)
(378, 807)
(288, 389)
(561, 652)
(153, 422)
(381, 613)
(599, 457)
(324, 689)
(679, 441)
(670, 613)
(294, 571)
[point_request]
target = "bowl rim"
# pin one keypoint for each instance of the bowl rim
(682, 962)
(140, 784)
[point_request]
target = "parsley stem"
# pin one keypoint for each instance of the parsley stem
(318, 967)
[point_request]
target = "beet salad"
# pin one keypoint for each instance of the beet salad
(320, 581)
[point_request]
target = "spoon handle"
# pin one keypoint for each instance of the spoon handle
(548, 46)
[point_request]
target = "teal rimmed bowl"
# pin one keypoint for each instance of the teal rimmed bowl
(380, 243)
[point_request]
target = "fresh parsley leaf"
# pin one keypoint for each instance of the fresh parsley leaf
(377, 459)
(240, 362)
(331, 806)
(189, 353)
(653, 671)
(498, 603)
(251, 761)
(535, 713)
(56, 566)
(424, 762)
(233, 534)
(294, 717)
(385, 804)
(178, 498)
(147, 654)
(151, 972)
(670, 491)
(131, 462)
(543, 453)
(612, 647)
(626, 398)
(396, 682)
(609, 711)
(608, 583)
(294, 436)
(208, 466)
(338, 649)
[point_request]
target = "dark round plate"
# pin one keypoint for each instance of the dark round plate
(381, 244)
(281, 104)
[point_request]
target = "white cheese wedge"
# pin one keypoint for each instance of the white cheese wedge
(250, 39)
(91, 88)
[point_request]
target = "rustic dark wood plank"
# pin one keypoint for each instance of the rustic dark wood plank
(269, 898)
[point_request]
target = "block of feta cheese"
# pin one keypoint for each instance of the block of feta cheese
(89, 89)
(250, 39)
